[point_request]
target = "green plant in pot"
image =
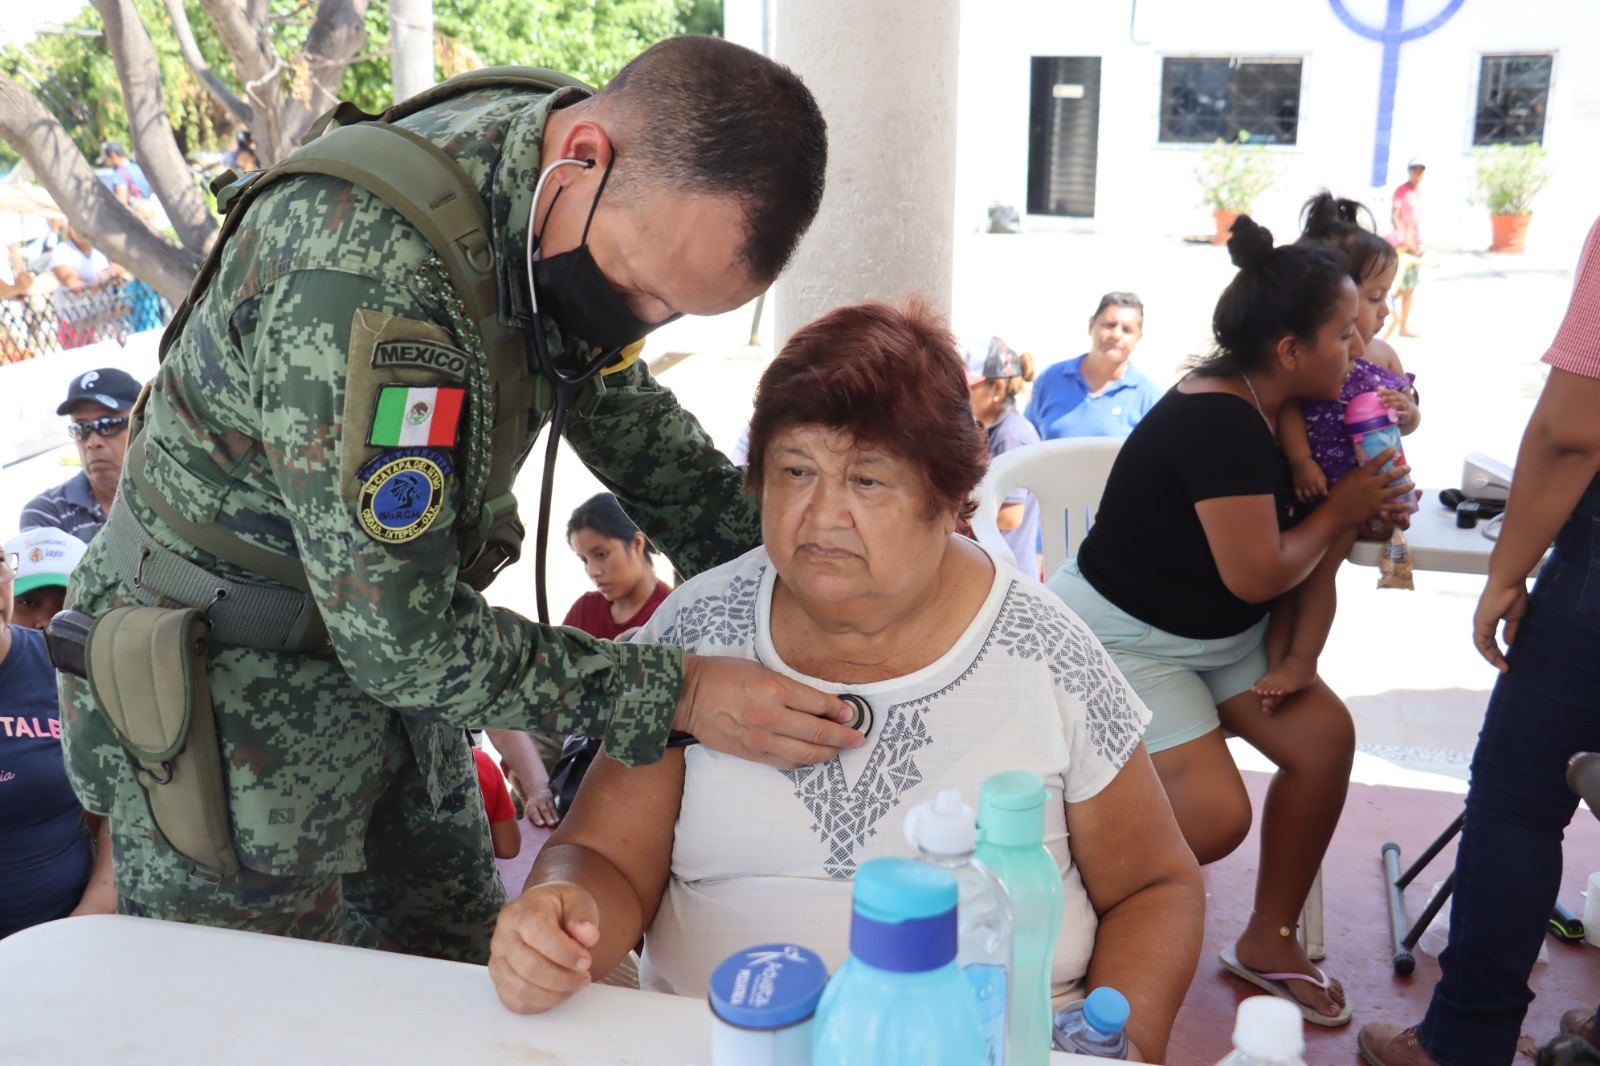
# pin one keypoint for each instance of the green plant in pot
(1231, 175)
(1509, 177)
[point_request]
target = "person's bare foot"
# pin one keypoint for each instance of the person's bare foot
(1291, 674)
(1263, 949)
(1408, 333)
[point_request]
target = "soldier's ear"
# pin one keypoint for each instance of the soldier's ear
(585, 139)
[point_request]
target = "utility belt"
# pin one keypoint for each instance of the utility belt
(146, 668)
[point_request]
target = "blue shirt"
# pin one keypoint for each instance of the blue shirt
(44, 849)
(1011, 430)
(1062, 406)
(69, 507)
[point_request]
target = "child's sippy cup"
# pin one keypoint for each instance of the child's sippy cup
(1372, 427)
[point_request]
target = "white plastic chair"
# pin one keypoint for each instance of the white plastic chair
(1066, 475)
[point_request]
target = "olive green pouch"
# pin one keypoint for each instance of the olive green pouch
(147, 670)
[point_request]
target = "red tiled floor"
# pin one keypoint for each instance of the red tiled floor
(1357, 927)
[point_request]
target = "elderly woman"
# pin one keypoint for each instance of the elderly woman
(864, 454)
(1100, 393)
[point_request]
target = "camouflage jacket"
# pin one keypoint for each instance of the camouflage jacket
(257, 421)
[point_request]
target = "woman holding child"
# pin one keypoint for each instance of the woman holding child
(1198, 532)
(865, 454)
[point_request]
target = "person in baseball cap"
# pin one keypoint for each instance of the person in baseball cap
(113, 389)
(99, 403)
(44, 559)
(996, 376)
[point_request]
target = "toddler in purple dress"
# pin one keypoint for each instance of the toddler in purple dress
(1331, 448)
(1311, 434)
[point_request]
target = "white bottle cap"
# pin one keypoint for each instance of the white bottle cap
(1270, 1029)
(944, 826)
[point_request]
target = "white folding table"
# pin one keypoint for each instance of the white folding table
(138, 992)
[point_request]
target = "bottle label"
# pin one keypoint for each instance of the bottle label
(989, 990)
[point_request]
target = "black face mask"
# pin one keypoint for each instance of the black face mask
(570, 288)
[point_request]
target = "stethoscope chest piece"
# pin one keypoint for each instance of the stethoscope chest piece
(862, 720)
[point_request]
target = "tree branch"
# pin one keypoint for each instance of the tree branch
(27, 127)
(153, 138)
(239, 109)
(257, 64)
(337, 36)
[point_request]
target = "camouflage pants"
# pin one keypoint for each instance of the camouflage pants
(430, 886)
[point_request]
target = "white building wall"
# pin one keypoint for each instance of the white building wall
(1146, 186)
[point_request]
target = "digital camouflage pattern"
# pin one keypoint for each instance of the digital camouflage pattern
(250, 424)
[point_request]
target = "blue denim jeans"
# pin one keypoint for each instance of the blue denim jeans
(1508, 867)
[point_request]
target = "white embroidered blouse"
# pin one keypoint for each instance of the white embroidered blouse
(763, 855)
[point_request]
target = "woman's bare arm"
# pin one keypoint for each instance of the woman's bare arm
(594, 888)
(1257, 562)
(1150, 899)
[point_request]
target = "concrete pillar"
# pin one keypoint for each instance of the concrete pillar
(884, 73)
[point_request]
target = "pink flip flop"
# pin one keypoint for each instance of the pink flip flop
(1274, 983)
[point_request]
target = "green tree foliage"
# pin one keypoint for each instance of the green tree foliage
(72, 73)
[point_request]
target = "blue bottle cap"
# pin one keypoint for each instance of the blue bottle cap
(1011, 809)
(1106, 1009)
(771, 986)
(904, 918)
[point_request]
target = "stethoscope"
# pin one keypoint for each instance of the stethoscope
(566, 388)
(860, 720)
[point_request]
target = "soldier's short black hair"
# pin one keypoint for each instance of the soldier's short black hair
(706, 116)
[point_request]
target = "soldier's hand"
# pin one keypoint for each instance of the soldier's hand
(539, 954)
(744, 709)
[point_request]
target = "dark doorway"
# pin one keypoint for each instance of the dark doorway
(1063, 135)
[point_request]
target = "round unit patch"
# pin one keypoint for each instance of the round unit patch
(401, 498)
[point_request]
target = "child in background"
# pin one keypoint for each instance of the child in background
(504, 831)
(1312, 436)
(45, 557)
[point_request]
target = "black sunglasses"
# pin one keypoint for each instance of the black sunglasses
(106, 427)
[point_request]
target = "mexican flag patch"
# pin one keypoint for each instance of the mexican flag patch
(413, 416)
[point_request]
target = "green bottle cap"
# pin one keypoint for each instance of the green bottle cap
(1011, 809)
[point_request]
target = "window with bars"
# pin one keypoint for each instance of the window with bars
(1513, 92)
(1205, 98)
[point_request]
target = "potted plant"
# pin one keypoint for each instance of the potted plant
(1509, 177)
(1231, 175)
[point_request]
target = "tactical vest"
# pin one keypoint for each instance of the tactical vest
(430, 190)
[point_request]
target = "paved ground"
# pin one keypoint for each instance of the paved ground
(1402, 660)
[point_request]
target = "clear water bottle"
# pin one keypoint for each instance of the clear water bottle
(1096, 1026)
(944, 832)
(1268, 1032)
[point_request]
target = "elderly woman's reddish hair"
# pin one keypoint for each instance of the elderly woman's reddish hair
(888, 377)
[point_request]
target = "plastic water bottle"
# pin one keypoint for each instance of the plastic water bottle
(1372, 427)
(1011, 843)
(1268, 1032)
(945, 833)
(899, 999)
(1095, 1026)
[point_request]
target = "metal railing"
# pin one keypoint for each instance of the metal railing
(44, 323)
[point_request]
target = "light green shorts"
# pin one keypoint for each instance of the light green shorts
(1181, 679)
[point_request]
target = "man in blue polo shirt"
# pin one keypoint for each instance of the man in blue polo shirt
(98, 403)
(1100, 393)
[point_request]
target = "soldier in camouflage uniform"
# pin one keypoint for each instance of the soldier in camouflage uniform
(293, 411)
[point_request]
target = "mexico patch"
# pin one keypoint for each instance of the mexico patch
(418, 354)
(416, 416)
(401, 495)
